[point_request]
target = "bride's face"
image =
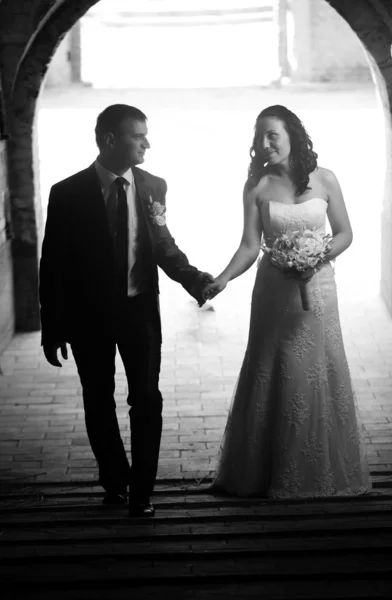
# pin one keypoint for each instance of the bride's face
(273, 141)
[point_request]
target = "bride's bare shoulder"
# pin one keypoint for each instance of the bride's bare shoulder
(256, 193)
(324, 176)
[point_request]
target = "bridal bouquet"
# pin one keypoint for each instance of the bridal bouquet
(296, 251)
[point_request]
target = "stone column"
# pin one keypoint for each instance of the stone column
(284, 64)
(75, 53)
(302, 42)
(6, 278)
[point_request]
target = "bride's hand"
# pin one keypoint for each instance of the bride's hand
(213, 289)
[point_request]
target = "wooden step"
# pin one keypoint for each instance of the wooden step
(270, 567)
(286, 589)
(364, 542)
(93, 504)
(64, 544)
(380, 479)
(169, 529)
(90, 500)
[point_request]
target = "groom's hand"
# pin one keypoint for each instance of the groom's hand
(214, 288)
(197, 290)
(50, 351)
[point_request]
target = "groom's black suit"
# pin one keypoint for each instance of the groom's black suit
(80, 305)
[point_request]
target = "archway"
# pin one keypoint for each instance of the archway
(370, 21)
(27, 238)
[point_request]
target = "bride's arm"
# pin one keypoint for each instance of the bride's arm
(248, 249)
(337, 216)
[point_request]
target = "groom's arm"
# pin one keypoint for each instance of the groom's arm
(175, 262)
(51, 292)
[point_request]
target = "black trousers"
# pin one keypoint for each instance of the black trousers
(138, 339)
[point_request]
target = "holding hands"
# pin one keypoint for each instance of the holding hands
(213, 289)
(197, 290)
(206, 287)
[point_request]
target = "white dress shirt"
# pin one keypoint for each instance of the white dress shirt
(106, 180)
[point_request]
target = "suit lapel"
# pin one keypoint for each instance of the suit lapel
(95, 192)
(143, 192)
(95, 200)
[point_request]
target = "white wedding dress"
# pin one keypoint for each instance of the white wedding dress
(293, 428)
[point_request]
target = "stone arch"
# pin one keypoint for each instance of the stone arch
(51, 26)
(371, 20)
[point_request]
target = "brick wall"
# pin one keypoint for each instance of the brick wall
(6, 285)
(6, 275)
(386, 215)
(21, 23)
(30, 33)
(384, 92)
(373, 22)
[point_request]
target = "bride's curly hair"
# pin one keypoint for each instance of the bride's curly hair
(303, 160)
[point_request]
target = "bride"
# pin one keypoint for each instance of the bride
(293, 428)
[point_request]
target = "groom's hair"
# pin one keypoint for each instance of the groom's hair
(111, 118)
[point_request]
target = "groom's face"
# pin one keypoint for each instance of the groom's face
(130, 142)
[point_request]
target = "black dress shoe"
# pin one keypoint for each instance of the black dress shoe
(144, 509)
(113, 498)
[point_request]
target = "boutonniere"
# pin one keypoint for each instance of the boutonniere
(156, 211)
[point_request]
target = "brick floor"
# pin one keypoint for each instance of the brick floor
(42, 425)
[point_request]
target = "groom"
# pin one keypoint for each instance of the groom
(105, 236)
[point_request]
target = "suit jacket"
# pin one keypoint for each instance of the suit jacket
(77, 260)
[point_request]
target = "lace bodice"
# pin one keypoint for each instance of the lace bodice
(278, 217)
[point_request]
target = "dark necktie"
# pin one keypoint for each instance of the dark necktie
(119, 228)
